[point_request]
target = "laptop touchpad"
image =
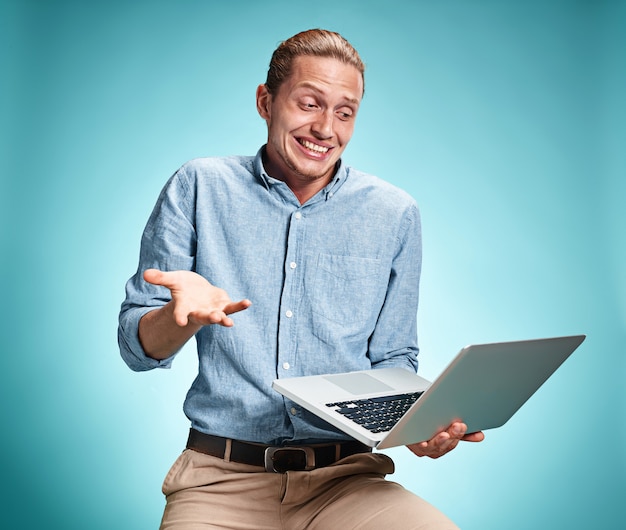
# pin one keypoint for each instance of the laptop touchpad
(358, 383)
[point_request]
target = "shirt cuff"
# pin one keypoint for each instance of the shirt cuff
(131, 349)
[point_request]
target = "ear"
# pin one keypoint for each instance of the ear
(263, 102)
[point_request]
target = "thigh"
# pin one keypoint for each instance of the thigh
(356, 495)
(203, 492)
(380, 504)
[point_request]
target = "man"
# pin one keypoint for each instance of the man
(323, 263)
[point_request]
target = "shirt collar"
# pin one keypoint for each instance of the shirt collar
(259, 170)
(328, 192)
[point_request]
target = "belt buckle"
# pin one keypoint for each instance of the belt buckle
(302, 457)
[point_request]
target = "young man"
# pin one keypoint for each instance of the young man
(324, 261)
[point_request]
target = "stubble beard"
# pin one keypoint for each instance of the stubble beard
(308, 176)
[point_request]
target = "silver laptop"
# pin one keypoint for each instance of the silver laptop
(483, 386)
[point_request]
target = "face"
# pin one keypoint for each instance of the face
(310, 119)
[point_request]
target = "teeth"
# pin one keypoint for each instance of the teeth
(314, 147)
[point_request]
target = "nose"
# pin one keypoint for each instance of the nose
(323, 125)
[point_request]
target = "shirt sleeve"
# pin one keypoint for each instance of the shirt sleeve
(168, 243)
(394, 341)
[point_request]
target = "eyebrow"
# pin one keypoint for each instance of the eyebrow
(315, 88)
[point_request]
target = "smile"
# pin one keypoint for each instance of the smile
(313, 147)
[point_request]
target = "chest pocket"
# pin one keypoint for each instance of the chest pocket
(347, 289)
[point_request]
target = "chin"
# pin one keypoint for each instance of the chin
(315, 175)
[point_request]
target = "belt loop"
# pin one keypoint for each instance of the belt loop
(228, 449)
(337, 452)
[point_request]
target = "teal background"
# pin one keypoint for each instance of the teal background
(505, 120)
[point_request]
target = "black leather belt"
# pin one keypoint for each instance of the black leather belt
(277, 459)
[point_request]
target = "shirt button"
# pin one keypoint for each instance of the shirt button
(286, 366)
(298, 215)
(293, 265)
(293, 411)
(288, 314)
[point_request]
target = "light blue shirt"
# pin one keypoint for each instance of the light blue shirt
(333, 284)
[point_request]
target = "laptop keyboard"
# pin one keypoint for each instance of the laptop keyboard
(377, 414)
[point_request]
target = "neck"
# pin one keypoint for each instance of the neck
(305, 190)
(303, 187)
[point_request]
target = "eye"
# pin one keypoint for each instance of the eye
(345, 114)
(308, 104)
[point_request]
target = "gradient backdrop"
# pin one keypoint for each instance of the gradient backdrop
(505, 120)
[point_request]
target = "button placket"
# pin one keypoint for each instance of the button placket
(290, 295)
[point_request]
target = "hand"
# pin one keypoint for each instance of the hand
(445, 441)
(195, 300)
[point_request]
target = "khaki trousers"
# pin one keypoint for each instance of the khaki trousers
(204, 492)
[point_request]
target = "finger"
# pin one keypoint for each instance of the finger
(418, 449)
(155, 277)
(181, 315)
(474, 437)
(444, 442)
(457, 430)
(235, 307)
(441, 439)
(206, 318)
(220, 317)
(426, 446)
(433, 448)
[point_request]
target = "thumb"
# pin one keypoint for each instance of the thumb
(155, 276)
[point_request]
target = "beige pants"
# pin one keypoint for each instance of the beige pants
(204, 492)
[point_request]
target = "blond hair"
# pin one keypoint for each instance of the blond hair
(315, 42)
